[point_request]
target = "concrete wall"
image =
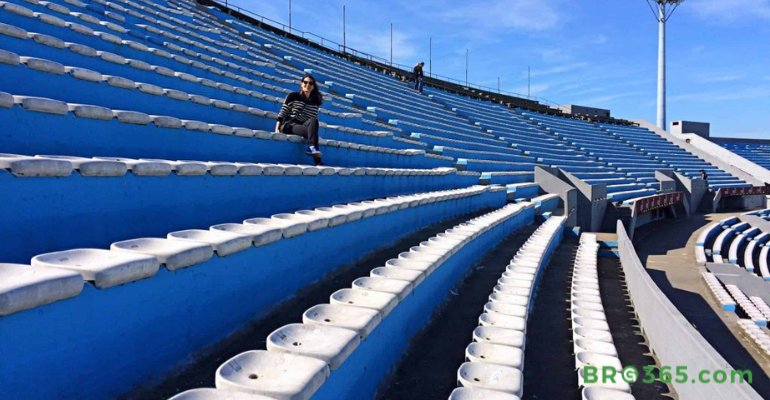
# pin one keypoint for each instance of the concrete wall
(702, 129)
(672, 338)
(709, 152)
(551, 183)
(592, 202)
(583, 110)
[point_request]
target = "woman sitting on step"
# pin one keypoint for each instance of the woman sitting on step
(299, 115)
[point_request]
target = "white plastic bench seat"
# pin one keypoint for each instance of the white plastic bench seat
(359, 319)
(503, 321)
(289, 228)
(260, 234)
(23, 166)
(480, 394)
(144, 167)
(102, 267)
(400, 288)
(587, 358)
(328, 343)
(595, 346)
(217, 394)
(23, 287)
(280, 375)
(495, 354)
(586, 313)
(421, 257)
(172, 253)
(334, 215)
(92, 167)
(383, 302)
(224, 243)
(512, 290)
(314, 221)
(409, 275)
(600, 393)
(491, 376)
(506, 309)
(509, 299)
(497, 335)
(592, 334)
(423, 267)
(619, 385)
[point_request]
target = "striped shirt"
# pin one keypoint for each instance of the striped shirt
(298, 109)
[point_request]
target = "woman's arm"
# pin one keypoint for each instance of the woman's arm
(283, 114)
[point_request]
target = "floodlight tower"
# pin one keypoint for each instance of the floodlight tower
(665, 9)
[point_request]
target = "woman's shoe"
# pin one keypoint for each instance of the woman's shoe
(312, 151)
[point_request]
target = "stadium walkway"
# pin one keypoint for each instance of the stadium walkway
(667, 249)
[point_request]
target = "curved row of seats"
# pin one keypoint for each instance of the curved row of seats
(756, 334)
(730, 296)
(704, 246)
(757, 315)
(110, 199)
(129, 134)
(719, 292)
(343, 348)
(745, 244)
(592, 339)
(495, 359)
(245, 268)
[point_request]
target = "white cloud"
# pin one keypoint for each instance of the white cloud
(608, 99)
(748, 93)
(601, 39)
(378, 43)
(534, 90)
(716, 77)
(557, 70)
(731, 10)
(528, 15)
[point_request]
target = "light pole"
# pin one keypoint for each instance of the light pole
(344, 38)
(466, 68)
(289, 15)
(665, 9)
(528, 80)
(430, 57)
(391, 44)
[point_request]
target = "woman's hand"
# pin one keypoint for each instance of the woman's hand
(277, 127)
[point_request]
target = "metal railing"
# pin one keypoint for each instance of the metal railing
(340, 48)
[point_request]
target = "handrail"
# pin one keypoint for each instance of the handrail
(330, 44)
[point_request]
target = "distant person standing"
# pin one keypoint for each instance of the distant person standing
(299, 115)
(418, 75)
(704, 176)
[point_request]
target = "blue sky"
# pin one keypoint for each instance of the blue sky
(599, 53)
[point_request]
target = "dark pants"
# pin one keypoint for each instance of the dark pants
(308, 130)
(418, 84)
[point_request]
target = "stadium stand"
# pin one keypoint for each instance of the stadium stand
(154, 212)
(756, 151)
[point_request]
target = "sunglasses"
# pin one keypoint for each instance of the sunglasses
(308, 83)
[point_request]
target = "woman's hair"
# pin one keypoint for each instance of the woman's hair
(315, 94)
